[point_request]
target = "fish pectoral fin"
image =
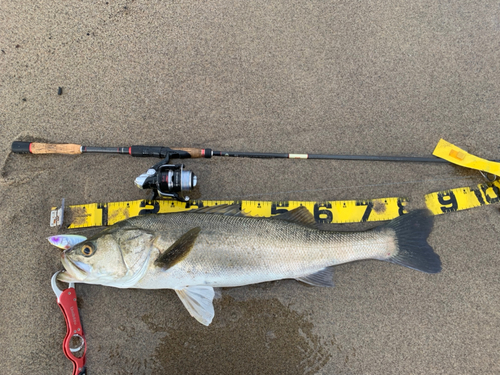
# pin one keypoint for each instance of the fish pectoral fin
(178, 251)
(323, 277)
(198, 301)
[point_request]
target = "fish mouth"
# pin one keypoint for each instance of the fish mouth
(65, 277)
(72, 273)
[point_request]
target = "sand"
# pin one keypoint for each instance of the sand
(346, 77)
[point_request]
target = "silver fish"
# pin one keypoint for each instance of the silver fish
(193, 252)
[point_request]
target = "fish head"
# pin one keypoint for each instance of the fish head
(94, 261)
(113, 258)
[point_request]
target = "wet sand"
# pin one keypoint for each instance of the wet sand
(346, 77)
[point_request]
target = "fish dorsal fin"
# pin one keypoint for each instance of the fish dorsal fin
(198, 301)
(323, 277)
(222, 209)
(299, 215)
(178, 250)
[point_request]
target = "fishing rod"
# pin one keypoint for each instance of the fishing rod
(168, 180)
(184, 153)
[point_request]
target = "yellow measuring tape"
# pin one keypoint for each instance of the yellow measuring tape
(97, 214)
(335, 212)
(464, 198)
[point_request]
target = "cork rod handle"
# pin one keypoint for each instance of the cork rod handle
(45, 148)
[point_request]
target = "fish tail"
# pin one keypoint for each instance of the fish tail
(413, 251)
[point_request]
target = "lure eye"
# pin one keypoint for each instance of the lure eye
(87, 250)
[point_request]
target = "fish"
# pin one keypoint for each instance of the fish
(196, 251)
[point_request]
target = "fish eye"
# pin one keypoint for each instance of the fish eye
(87, 250)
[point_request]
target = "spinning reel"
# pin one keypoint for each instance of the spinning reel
(167, 180)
